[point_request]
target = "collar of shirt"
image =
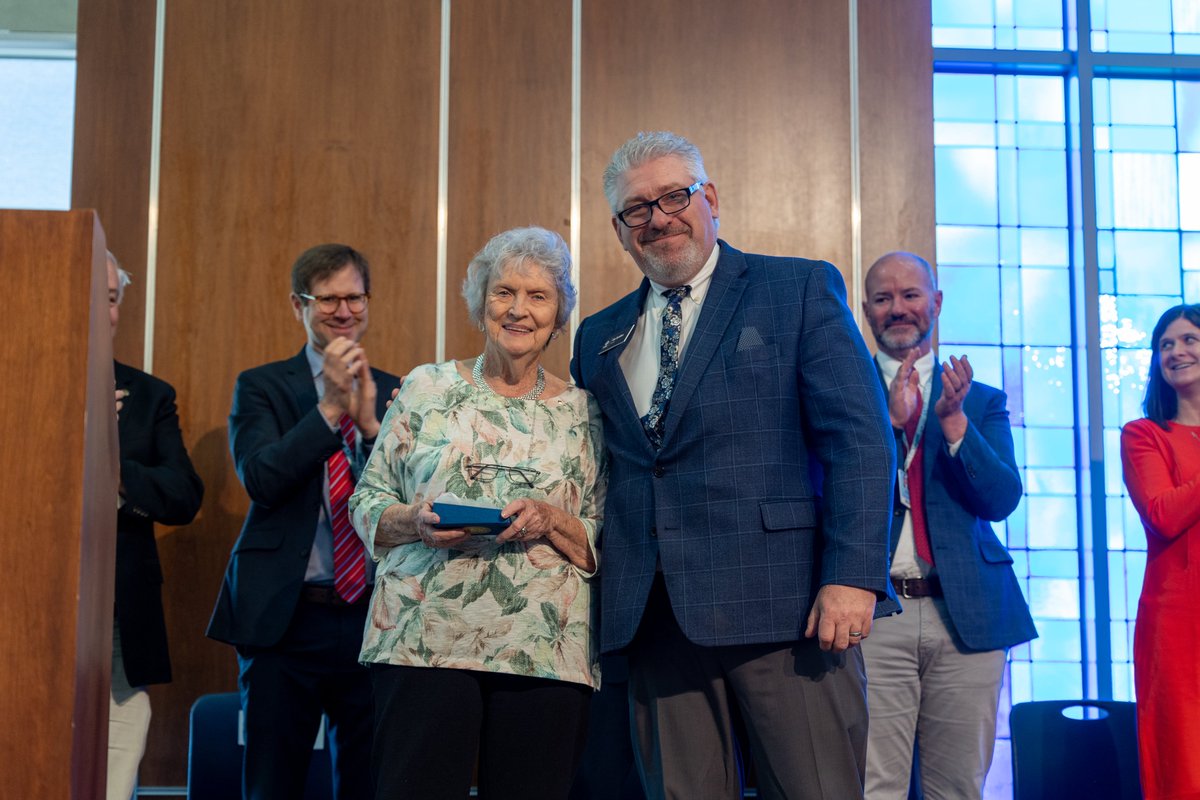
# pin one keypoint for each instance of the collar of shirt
(890, 366)
(700, 283)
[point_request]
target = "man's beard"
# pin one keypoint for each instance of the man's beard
(674, 269)
(897, 341)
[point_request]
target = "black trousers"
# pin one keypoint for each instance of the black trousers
(432, 723)
(314, 669)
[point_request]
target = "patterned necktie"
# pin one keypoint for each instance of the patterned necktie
(668, 364)
(349, 556)
(915, 476)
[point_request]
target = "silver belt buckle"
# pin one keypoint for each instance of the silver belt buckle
(904, 589)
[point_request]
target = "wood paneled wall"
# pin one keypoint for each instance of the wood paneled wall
(285, 126)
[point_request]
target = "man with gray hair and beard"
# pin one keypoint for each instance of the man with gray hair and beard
(745, 538)
(935, 670)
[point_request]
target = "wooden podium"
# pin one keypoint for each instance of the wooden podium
(58, 488)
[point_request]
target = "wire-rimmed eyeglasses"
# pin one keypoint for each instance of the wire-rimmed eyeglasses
(670, 203)
(486, 473)
(328, 303)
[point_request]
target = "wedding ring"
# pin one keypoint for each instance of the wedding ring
(856, 633)
(522, 531)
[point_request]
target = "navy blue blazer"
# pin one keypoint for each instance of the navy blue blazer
(280, 444)
(777, 466)
(964, 494)
(161, 485)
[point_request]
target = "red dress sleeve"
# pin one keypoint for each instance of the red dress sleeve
(1150, 464)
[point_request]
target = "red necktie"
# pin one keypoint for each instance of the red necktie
(349, 557)
(915, 475)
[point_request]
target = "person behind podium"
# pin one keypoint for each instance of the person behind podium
(294, 599)
(158, 484)
(483, 643)
(1160, 456)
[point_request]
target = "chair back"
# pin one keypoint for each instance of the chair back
(215, 753)
(1055, 756)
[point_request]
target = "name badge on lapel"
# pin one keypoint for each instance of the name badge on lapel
(616, 341)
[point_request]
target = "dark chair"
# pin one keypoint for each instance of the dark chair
(1055, 756)
(215, 753)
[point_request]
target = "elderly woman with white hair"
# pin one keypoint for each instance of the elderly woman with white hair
(482, 645)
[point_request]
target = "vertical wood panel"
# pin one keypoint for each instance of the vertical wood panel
(280, 131)
(896, 128)
(59, 531)
(111, 169)
(510, 139)
(761, 87)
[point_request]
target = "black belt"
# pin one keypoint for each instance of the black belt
(918, 587)
(325, 595)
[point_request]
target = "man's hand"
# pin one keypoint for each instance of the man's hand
(956, 382)
(903, 393)
(841, 617)
(349, 387)
(121, 394)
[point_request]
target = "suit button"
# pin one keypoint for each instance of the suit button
(658, 471)
(653, 532)
(899, 512)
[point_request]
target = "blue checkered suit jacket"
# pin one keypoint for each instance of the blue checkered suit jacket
(962, 493)
(776, 470)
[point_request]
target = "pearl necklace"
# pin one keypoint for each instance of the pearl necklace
(532, 394)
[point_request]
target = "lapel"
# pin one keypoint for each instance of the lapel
(724, 296)
(299, 379)
(608, 372)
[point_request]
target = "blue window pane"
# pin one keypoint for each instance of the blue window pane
(1044, 247)
(1056, 681)
(1145, 139)
(971, 312)
(1054, 563)
(965, 185)
(1010, 302)
(1047, 387)
(967, 245)
(1191, 287)
(964, 97)
(1115, 514)
(1051, 524)
(1043, 193)
(1041, 480)
(1135, 531)
(1104, 190)
(1187, 98)
(1058, 640)
(1117, 631)
(1043, 292)
(1007, 185)
(1147, 263)
(1040, 99)
(985, 361)
(1022, 682)
(1139, 102)
(1113, 483)
(1185, 16)
(1139, 42)
(1054, 598)
(963, 12)
(1189, 194)
(1139, 15)
(37, 111)
(1050, 447)
(1144, 190)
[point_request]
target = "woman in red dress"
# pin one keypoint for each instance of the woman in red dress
(1161, 458)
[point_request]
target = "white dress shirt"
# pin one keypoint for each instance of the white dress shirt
(639, 360)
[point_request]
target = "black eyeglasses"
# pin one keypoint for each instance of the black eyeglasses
(669, 203)
(486, 473)
(328, 303)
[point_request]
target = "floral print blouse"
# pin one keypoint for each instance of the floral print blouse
(519, 607)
